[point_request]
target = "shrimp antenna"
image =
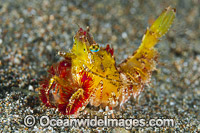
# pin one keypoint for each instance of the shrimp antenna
(78, 25)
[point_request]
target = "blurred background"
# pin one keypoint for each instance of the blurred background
(32, 32)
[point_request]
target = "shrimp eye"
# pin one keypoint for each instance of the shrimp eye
(94, 47)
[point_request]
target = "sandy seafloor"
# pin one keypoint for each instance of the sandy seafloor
(31, 33)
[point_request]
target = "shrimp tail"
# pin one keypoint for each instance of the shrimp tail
(138, 68)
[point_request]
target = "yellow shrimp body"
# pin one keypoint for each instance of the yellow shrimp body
(113, 84)
(91, 70)
(101, 67)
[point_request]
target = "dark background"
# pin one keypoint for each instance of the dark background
(32, 32)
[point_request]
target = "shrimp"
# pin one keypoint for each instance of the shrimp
(89, 74)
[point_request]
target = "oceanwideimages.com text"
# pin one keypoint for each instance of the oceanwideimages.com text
(45, 121)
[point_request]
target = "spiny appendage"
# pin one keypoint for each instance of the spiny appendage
(51, 85)
(96, 96)
(137, 71)
(80, 98)
(78, 94)
(139, 67)
(66, 55)
(125, 92)
(113, 100)
(62, 92)
(58, 90)
(158, 29)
